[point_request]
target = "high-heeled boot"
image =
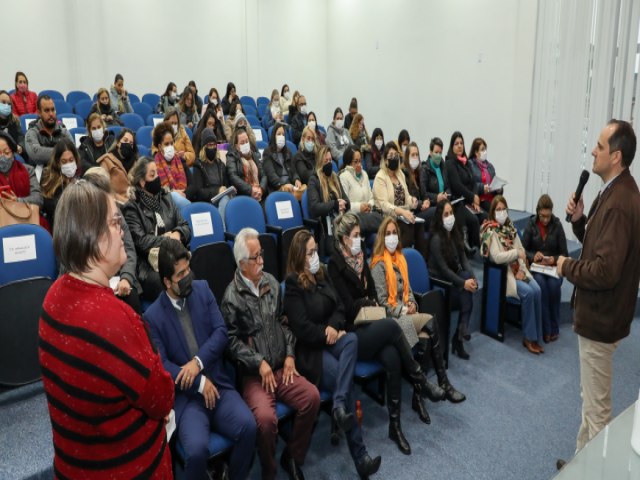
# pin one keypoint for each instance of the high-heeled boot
(417, 404)
(428, 389)
(395, 429)
(451, 393)
(457, 346)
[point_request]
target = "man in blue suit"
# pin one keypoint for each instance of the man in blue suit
(191, 336)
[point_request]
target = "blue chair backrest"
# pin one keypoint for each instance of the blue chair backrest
(322, 129)
(133, 99)
(26, 119)
(292, 147)
(143, 136)
(262, 109)
(54, 94)
(254, 121)
(71, 120)
(143, 151)
(151, 99)
(208, 224)
(62, 106)
(132, 121)
(83, 107)
(26, 251)
(142, 109)
(189, 133)
(304, 203)
(283, 210)
(77, 134)
(243, 211)
(418, 273)
(248, 101)
(262, 101)
(75, 96)
(116, 129)
(250, 110)
(154, 119)
(261, 145)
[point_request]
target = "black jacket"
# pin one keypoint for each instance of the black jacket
(206, 180)
(106, 111)
(256, 327)
(297, 122)
(89, 153)
(309, 312)
(274, 170)
(318, 208)
(142, 224)
(460, 178)
(554, 244)
(235, 172)
(305, 164)
(429, 187)
(11, 126)
(351, 288)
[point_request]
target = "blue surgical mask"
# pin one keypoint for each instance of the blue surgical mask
(5, 109)
(308, 146)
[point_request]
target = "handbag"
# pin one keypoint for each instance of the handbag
(13, 212)
(370, 314)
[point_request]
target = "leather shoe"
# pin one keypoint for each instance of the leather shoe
(368, 466)
(344, 420)
(554, 337)
(560, 463)
(546, 338)
(539, 347)
(288, 464)
(530, 346)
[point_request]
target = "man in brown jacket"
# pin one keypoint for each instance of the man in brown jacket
(607, 273)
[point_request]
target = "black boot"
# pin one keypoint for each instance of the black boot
(451, 393)
(417, 404)
(428, 389)
(395, 430)
(457, 346)
(368, 466)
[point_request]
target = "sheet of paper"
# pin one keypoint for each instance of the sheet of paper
(202, 224)
(284, 210)
(70, 122)
(551, 271)
(171, 424)
(457, 200)
(39, 169)
(19, 249)
(157, 120)
(497, 183)
(78, 136)
(258, 134)
(114, 281)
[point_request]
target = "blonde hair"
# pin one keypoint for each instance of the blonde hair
(328, 185)
(354, 129)
(306, 130)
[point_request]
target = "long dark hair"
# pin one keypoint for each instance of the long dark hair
(448, 240)
(376, 155)
(454, 136)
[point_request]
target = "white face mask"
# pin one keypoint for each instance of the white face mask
(69, 169)
(175, 129)
(174, 95)
(245, 148)
(379, 144)
(312, 125)
(303, 109)
(213, 100)
(339, 123)
(286, 95)
(502, 216)
(356, 245)
(391, 242)
(314, 263)
(404, 148)
(449, 222)
(483, 156)
(275, 112)
(97, 134)
(219, 115)
(169, 153)
(280, 141)
(414, 162)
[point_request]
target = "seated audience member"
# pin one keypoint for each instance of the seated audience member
(298, 120)
(103, 108)
(500, 243)
(544, 241)
(461, 182)
(189, 113)
(326, 198)
(382, 339)
(10, 123)
(285, 99)
(277, 163)
(186, 315)
(433, 180)
(263, 347)
(403, 141)
(128, 288)
(196, 99)
(173, 172)
(304, 160)
(152, 215)
(373, 156)
(483, 172)
(44, 133)
(117, 162)
(448, 261)
(120, 101)
(356, 186)
(229, 98)
(242, 122)
(23, 99)
(213, 100)
(391, 277)
(96, 143)
(209, 176)
(351, 114)
(325, 353)
(64, 168)
(413, 172)
(183, 146)
(312, 122)
(169, 99)
(338, 138)
(294, 108)
(237, 119)
(100, 350)
(244, 167)
(209, 121)
(358, 133)
(272, 114)
(391, 195)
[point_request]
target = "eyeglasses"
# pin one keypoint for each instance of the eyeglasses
(256, 257)
(115, 221)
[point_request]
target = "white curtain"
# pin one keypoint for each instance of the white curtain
(584, 74)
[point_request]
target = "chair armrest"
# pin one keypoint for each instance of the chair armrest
(438, 282)
(274, 229)
(314, 225)
(229, 236)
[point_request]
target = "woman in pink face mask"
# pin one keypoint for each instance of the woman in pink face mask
(23, 100)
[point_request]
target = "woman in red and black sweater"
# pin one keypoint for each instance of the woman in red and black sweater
(107, 391)
(23, 100)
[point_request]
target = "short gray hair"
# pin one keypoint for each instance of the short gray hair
(240, 249)
(343, 225)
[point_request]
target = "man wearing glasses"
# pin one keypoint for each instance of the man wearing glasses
(263, 346)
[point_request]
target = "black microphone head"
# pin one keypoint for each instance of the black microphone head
(584, 176)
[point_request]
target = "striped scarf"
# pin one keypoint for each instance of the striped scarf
(172, 173)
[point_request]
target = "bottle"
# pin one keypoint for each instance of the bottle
(359, 413)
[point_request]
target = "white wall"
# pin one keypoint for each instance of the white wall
(429, 66)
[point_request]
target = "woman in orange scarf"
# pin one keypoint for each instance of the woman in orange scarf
(391, 277)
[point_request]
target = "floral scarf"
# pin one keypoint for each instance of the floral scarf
(355, 262)
(506, 233)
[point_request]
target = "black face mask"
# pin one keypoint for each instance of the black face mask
(185, 286)
(211, 153)
(105, 108)
(126, 150)
(327, 169)
(392, 163)
(154, 186)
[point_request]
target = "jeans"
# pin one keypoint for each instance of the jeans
(550, 288)
(179, 200)
(531, 309)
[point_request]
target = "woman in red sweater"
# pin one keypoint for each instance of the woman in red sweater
(23, 100)
(107, 391)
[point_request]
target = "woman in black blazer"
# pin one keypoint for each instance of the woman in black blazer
(326, 353)
(277, 163)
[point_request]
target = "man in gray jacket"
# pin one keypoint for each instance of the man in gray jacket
(44, 134)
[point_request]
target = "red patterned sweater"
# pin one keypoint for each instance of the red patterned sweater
(107, 391)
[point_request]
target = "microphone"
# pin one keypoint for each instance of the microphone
(584, 178)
